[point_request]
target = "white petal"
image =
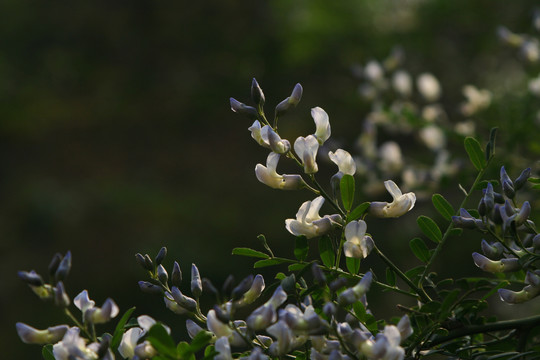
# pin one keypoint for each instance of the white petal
(344, 161)
(313, 210)
(322, 124)
(392, 188)
(355, 230)
(83, 302)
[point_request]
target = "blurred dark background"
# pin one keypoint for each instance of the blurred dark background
(116, 135)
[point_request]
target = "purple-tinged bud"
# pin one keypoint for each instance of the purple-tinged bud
(61, 298)
(174, 307)
(347, 297)
(104, 345)
(255, 291)
(261, 317)
(148, 263)
(63, 268)
(496, 214)
(142, 262)
(404, 327)
(182, 300)
(516, 297)
(499, 199)
(492, 251)
(503, 265)
(522, 179)
(242, 288)
(208, 287)
(196, 284)
(482, 208)
(523, 213)
(161, 255)
(176, 275)
(358, 337)
(193, 328)
(228, 285)
(30, 335)
(318, 274)
(508, 190)
(464, 223)
(31, 278)
(363, 286)
(150, 288)
(257, 94)
(163, 277)
(337, 284)
(505, 178)
(508, 208)
(222, 314)
(55, 262)
(243, 109)
(533, 278)
(290, 102)
(536, 242)
(329, 309)
(257, 354)
(489, 197)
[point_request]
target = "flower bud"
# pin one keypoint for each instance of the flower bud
(329, 309)
(489, 197)
(176, 275)
(31, 278)
(228, 285)
(257, 286)
(318, 274)
(494, 250)
(522, 179)
(208, 287)
(222, 315)
(533, 278)
(242, 288)
(53, 266)
(61, 298)
(150, 288)
(516, 297)
(30, 335)
(257, 94)
(523, 213)
(63, 268)
(161, 255)
(337, 284)
(196, 284)
(243, 109)
(140, 260)
(507, 185)
(503, 265)
(149, 264)
(536, 242)
(174, 307)
(289, 102)
(163, 277)
(182, 300)
(193, 328)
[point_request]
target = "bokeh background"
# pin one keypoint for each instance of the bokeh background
(116, 135)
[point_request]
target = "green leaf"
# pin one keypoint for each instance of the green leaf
(353, 264)
(210, 353)
(492, 137)
(346, 186)
(326, 251)
(119, 331)
(483, 184)
(430, 307)
(419, 249)
(301, 248)
(476, 155)
(200, 340)
(161, 340)
(429, 228)
(390, 277)
(443, 206)
(47, 352)
(534, 180)
(416, 271)
(297, 266)
(358, 211)
(250, 253)
(269, 262)
(447, 303)
(455, 232)
(184, 351)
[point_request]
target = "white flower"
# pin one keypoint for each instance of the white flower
(428, 86)
(73, 347)
(391, 158)
(129, 342)
(306, 149)
(373, 71)
(322, 124)
(433, 137)
(477, 99)
(402, 83)
(223, 348)
(94, 314)
(309, 223)
(534, 86)
(30, 335)
(268, 138)
(268, 175)
(358, 244)
(402, 202)
(344, 161)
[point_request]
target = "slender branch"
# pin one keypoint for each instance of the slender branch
(419, 291)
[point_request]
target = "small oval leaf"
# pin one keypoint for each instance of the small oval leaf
(301, 248)
(250, 253)
(326, 251)
(353, 264)
(429, 228)
(443, 206)
(358, 212)
(419, 249)
(346, 186)
(475, 152)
